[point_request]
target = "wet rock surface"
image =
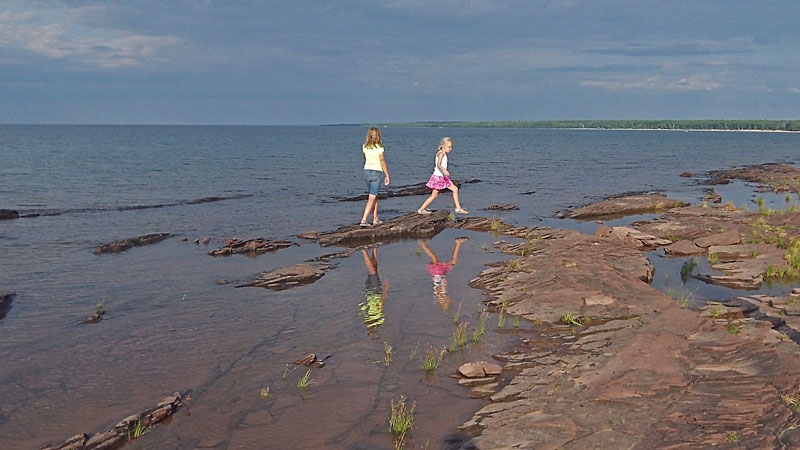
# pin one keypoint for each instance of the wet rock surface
(502, 207)
(124, 431)
(627, 205)
(639, 371)
(121, 246)
(780, 177)
(407, 226)
(255, 246)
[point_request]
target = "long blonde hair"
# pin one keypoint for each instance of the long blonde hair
(444, 141)
(373, 138)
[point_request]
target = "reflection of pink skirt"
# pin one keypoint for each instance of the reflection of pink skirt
(439, 183)
(439, 269)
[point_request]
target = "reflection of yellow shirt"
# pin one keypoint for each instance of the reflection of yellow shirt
(372, 310)
(372, 158)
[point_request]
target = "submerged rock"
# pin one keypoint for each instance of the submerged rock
(503, 207)
(405, 191)
(121, 246)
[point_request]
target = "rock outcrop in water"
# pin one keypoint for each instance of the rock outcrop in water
(8, 214)
(121, 246)
(250, 246)
(625, 206)
(408, 226)
(124, 431)
(5, 303)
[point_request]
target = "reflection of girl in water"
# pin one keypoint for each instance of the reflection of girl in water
(438, 270)
(374, 293)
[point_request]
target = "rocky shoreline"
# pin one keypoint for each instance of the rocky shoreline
(616, 363)
(607, 361)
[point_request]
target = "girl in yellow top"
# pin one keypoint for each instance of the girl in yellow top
(374, 170)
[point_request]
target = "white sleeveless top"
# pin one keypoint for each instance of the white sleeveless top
(436, 170)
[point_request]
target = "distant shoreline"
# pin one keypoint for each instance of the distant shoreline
(754, 125)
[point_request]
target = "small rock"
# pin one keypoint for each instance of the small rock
(184, 239)
(479, 369)
(686, 174)
(206, 240)
(8, 214)
(223, 282)
(197, 241)
(311, 235)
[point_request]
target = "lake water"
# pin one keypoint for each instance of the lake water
(170, 327)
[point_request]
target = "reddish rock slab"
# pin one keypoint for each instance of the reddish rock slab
(727, 238)
(626, 206)
(684, 248)
(121, 246)
(252, 247)
(479, 369)
(642, 372)
(780, 177)
(408, 226)
(122, 432)
(310, 235)
(288, 277)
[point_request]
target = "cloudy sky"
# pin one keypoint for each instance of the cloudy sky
(359, 61)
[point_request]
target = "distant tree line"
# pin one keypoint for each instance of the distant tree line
(706, 124)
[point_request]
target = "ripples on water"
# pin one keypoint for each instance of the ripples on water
(171, 327)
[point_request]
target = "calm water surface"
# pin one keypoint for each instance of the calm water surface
(170, 327)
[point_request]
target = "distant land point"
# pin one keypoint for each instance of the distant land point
(704, 124)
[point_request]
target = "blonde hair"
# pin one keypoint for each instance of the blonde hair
(444, 141)
(373, 138)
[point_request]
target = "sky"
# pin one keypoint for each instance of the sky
(299, 62)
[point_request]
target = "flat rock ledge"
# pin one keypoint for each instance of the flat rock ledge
(780, 177)
(408, 226)
(625, 206)
(121, 246)
(639, 372)
(299, 274)
(125, 430)
(254, 246)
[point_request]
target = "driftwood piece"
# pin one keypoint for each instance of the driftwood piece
(405, 191)
(125, 430)
(121, 246)
(408, 226)
(624, 206)
(250, 246)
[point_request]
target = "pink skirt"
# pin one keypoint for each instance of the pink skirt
(439, 183)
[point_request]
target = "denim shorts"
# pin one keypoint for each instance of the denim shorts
(374, 179)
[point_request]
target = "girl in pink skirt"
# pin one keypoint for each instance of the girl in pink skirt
(441, 179)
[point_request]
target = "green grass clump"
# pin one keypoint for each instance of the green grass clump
(459, 339)
(401, 420)
(480, 329)
(713, 258)
(432, 359)
(138, 430)
(305, 381)
(571, 319)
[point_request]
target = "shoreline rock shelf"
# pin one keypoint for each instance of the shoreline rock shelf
(625, 206)
(250, 246)
(407, 226)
